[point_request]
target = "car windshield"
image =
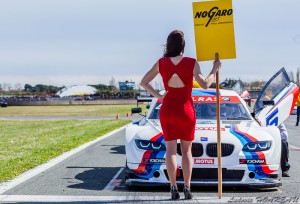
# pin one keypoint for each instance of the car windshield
(207, 111)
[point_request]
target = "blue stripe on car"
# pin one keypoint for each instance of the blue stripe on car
(249, 155)
(204, 93)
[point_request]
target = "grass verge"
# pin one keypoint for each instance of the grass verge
(26, 144)
(71, 110)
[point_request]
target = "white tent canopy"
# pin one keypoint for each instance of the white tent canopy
(76, 91)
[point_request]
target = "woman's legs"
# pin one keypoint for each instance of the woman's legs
(187, 161)
(171, 162)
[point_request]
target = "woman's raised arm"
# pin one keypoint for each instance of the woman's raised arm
(149, 76)
(206, 82)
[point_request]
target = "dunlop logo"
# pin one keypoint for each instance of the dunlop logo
(213, 14)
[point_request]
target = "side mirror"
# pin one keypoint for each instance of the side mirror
(268, 103)
(136, 110)
(248, 101)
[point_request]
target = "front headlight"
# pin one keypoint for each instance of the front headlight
(257, 146)
(149, 145)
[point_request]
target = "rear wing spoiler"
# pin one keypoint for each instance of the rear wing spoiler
(143, 99)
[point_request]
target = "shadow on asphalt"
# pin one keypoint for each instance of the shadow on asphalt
(116, 149)
(93, 178)
(97, 178)
(199, 189)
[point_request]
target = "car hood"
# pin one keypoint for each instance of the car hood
(209, 125)
(236, 128)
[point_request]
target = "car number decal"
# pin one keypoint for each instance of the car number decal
(272, 119)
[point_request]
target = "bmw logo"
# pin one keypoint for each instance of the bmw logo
(225, 99)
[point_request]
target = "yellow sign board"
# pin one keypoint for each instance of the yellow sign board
(214, 29)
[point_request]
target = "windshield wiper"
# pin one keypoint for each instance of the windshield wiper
(239, 118)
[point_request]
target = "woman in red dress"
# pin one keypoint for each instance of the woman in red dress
(177, 113)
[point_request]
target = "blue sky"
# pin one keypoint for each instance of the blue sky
(76, 42)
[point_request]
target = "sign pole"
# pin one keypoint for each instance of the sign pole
(218, 132)
(213, 19)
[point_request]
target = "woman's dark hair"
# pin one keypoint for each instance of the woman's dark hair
(175, 44)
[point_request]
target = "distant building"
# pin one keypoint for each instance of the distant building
(254, 93)
(76, 91)
(125, 86)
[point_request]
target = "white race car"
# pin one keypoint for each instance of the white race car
(251, 146)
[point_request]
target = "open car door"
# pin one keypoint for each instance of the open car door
(276, 100)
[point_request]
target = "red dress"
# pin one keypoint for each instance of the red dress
(177, 113)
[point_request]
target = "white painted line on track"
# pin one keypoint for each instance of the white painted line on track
(119, 199)
(41, 168)
(298, 148)
(111, 185)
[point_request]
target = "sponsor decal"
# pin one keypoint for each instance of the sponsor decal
(252, 161)
(204, 161)
(209, 128)
(154, 160)
(205, 122)
(204, 139)
(213, 15)
(204, 98)
(210, 99)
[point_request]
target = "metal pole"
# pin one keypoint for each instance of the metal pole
(218, 133)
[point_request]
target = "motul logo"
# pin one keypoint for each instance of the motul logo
(204, 161)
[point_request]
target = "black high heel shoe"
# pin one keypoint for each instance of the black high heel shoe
(174, 193)
(187, 193)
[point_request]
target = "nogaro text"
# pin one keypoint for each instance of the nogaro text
(213, 13)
